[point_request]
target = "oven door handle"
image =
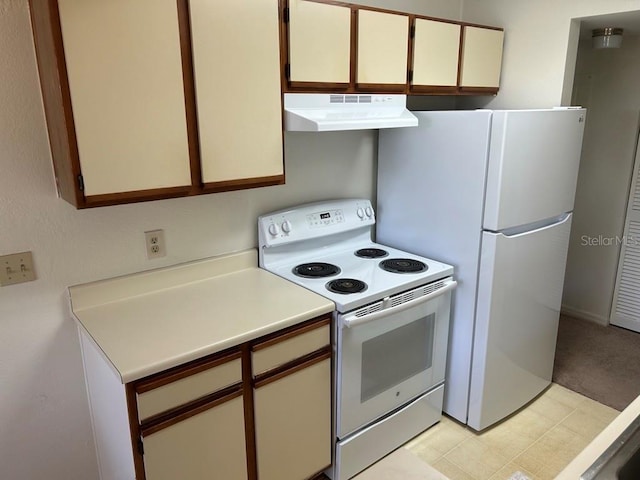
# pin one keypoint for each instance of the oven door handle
(355, 321)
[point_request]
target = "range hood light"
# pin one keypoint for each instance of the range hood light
(609, 37)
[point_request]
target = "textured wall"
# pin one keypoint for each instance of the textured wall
(540, 46)
(44, 418)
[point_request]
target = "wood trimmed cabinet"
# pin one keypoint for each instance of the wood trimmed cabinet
(318, 38)
(125, 120)
(381, 60)
(389, 51)
(481, 58)
(190, 421)
(292, 402)
(261, 410)
(436, 49)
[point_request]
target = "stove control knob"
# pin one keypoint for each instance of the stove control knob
(369, 212)
(360, 212)
(274, 229)
(286, 226)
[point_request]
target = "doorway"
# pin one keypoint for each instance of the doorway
(607, 83)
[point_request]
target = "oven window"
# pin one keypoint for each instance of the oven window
(393, 357)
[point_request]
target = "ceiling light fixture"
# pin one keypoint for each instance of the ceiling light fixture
(609, 37)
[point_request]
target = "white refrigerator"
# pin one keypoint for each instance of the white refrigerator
(491, 193)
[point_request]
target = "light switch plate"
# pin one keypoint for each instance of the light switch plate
(16, 268)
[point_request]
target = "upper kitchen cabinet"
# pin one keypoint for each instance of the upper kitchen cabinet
(382, 52)
(481, 59)
(319, 44)
(334, 46)
(236, 60)
(118, 79)
(436, 47)
(112, 84)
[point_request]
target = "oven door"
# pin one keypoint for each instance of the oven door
(390, 352)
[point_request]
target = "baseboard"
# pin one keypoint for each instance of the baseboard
(583, 315)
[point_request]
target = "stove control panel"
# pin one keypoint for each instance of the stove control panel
(314, 220)
(326, 218)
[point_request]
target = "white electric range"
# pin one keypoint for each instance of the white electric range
(390, 325)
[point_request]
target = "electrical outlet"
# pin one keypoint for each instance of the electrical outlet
(154, 241)
(16, 268)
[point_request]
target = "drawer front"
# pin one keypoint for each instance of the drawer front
(271, 354)
(189, 388)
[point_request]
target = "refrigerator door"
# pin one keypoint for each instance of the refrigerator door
(519, 297)
(533, 165)
(431, 182)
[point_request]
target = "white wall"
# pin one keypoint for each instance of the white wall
(540, 46)
(44, 419)
(607, 84)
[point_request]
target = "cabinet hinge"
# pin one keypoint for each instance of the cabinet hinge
(80, 183)
(287, 71)
(412, 32)
(140, 446)
(285, 15)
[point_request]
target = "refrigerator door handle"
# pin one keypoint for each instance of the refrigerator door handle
(535, 227)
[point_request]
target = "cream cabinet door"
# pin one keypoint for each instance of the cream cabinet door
(481, 57)
(435, 53)
(293, 424)
(319, 42)
(236, 58)
(210, 444)
(382, 47)
(124, 67)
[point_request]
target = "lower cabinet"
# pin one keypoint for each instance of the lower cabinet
(209, 441)
(258, 411)
(293, 422)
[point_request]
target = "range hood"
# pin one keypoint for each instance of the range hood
(320, 112)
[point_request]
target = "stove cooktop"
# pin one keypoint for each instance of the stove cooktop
(327, 247)
(365, 279)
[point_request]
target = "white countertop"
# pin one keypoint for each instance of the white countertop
(147, 322)
(583, 461)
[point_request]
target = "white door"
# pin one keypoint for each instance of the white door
(533, 165)
(626, 301)
(519, 297)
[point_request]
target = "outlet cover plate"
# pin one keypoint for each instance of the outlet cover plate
(156, 247)
(16, 268)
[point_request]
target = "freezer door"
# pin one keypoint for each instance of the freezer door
(519, 297)
(533, 165)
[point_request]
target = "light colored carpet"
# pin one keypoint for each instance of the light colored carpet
(602, 363)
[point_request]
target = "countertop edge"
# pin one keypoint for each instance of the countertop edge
(598, 445)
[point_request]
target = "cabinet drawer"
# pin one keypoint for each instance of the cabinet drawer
(165, 393)
(282, 349)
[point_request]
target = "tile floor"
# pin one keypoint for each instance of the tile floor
(539, 441)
